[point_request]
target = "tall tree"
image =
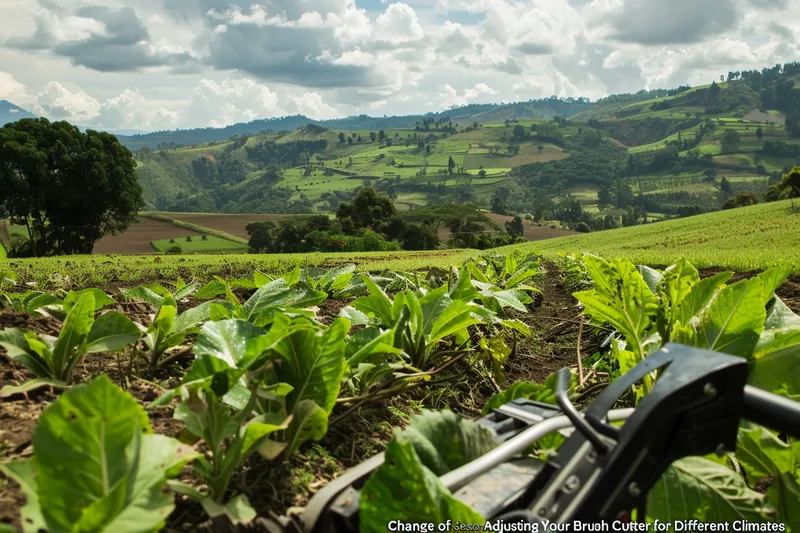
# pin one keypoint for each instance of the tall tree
(68, 188)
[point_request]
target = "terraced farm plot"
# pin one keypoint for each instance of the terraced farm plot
(137, 238)
(234, 224)
(198, 245)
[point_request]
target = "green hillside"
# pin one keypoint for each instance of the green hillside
(634, 158)
(749, 238)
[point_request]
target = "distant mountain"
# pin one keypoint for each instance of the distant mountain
(12, 113)
(533, 109)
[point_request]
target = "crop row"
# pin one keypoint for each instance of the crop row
(267, 372)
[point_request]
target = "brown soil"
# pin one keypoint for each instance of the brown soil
(531, 231)
(354, 435)
(233, 224)
(136, 239)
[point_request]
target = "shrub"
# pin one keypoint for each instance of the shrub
(174, 250)
(204, 237)
(583, 227)
(188, 238)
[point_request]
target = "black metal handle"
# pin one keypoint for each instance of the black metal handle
(772, 411)
(572, 413)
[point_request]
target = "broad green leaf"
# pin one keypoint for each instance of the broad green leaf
(308, 422)
(699, 296)
(293, 277)
(42, 300)
(375, 304)
(772, 279)
(356, 317)
(775, 366)
(445, 441)
(462, 289)
(18, 347)
(780, 320)
(149, 506)
(21, 471)
(731, 323)
(238, 510)
(620, 297)
(143, 294)
(101, 299)
(696, 488)
(538, 392)
(677, 284)
(403, 489)
(764, 454)
(211, 290)
(313, 363)
(784, 494)
(194, 316)
(30, 386)
(111, 332)
(651, 276)
(237, 342)
(256, 431)
(73, 334)
(513, 298)
(99, 466)
(518, 326)
(369, 344)
(278, 294)
(337, 278)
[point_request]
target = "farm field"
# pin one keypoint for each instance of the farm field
(749, 238)
(359, 415)
(234, 224)
(196, 244)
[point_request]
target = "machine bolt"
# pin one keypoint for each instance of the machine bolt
(634, 490)
(572, 483)
(709, 390)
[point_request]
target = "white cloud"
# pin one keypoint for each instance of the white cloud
(10, 88)
(217, 62)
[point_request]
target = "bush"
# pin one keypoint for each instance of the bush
(188, 238)
(172, 241)
(204, 237)
(174, 250)
(583, 227)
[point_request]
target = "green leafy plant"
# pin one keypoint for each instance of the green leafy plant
(648, 308)
(277, 296)
(155, 293)
(53, 359)
(249, 391)
(406, 487)
(169, 329)
(97, 465)
(513, 270)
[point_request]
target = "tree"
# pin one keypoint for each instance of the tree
(381, 135)
(68, 188)
(583, 227)
(451, 164)
(604, 197)
(372, 136)
(741, 200)
(540, 148)
(759, 133)
(514, 227)
(725, 186)
(499, 206)
(730, 141)
(367, 210)
(790, 184)
(519, 132)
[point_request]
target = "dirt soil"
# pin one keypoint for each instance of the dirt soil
(233, 224)
(356, 432)
(531, 231)
(136, 239)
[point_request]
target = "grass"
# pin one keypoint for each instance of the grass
(82, 271)
(198, 245)
(193, 227)
(744, 239)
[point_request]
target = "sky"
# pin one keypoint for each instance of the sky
(165, 64)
